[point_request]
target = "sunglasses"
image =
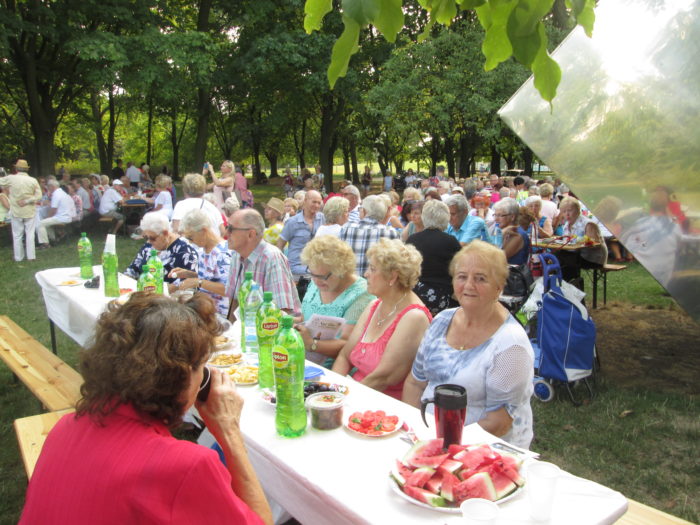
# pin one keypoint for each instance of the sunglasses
(231, 229)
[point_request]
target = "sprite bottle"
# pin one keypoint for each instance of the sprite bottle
(288, 367)
(243, 292)
(268, 323)
(156, 269)
(85, 256)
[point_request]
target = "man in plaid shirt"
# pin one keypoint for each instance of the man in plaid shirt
(372, 227)
(249, 252)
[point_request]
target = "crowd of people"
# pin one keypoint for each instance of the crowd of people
(416, 277)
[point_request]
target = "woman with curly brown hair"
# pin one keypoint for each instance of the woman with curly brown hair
(115, 461)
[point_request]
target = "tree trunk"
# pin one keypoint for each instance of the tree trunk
(149, 130)
(435, 151)
(527, 161)
(96, 109)
(450, 156)
(346, 161)
(495, 161)
(202, 136)
(463, 158)
(175, 145)
(272, 158)
(300, 145)
(353, 160)
(331, 111)
(111, 129)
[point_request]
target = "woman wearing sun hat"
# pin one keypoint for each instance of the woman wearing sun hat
(274, 211)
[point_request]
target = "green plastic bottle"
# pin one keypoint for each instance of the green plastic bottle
(243, 292)
(110, 265)
(147, 280)
(156, 269)
(268, 324)
(288, 367)
(85, 256)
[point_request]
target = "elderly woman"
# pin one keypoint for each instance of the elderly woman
(481, 207)
(194, 185)
(221, 185)
(336, 212)
(437, 249)
(577, 225)
(385, 339)
(412, 214)
(543, 224)
(162, 201)
(213, 263)
(516, 242)
(173, 251)
(291, 207)
(115, 457)
(335, 290)
(481, 347)
(274, 211)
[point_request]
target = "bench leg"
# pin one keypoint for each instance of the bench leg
(52, 329)
(605, 288)
(595, 288)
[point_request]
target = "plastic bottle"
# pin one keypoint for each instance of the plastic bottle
(498, 237)
(85, 256)
(156, 269)
(268, 324)
(243, 292)
(110, 265)
(252, 304)
(147, 280)
(288, 366)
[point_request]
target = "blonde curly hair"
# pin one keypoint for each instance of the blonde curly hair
(330, 251)
(393, 255)
(489, 255)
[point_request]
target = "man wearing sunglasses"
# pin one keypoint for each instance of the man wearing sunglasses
(251, 253)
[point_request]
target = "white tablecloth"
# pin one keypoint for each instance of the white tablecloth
(339, 477)
(75, 309)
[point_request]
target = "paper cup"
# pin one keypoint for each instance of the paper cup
(541, 489)
(477, 511)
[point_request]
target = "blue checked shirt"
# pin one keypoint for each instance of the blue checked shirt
(361, 235)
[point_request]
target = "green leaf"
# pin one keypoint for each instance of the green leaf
(526, 46)
(444, 11)
(470, 4)
(389, 20)
(586, 17)
(314, 11)
(576, 5)
(493, 18)
(361, 11)
(526, 15)
(343, 49)
(546, 70)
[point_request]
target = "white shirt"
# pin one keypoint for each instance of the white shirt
(85, 197)
(109, 201)
(329, 229)
(166, 200)
(549, 209)
(133, 173)
(64, 206)
(197, 203)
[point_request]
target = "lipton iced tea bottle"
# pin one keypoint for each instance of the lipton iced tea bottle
(268, 323)
(110, 263)
(156, 269)
(85, 256)
(243, 292)
(288, 367)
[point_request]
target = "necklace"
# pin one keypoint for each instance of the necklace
(381, 321)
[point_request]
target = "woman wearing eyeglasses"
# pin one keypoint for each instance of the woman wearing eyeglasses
(335, 290)
(516, 242)
(173, 251)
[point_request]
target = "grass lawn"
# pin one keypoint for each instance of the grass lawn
(648, 454)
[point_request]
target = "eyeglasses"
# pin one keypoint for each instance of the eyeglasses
(231, 229)
(319, 277)
(502, 214)
(150, 238)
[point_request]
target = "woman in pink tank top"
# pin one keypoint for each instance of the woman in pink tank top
(385, 339)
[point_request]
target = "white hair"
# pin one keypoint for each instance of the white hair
(435, 214)
(459, 201)
(195, 221)
(155, 221)
(352, 189)
(532, 199)
(508, 205)
(375, 207)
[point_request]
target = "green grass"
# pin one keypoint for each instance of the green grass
(649, 455)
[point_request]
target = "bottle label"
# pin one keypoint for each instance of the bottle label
(269, 326)
(280, 357)
(149, 288)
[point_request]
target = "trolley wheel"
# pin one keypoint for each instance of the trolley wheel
(543, 391)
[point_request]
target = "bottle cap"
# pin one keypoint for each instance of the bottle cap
(83, 234)
(154, 252)
(111, 244)
(248, 275)
(267, 296)
(287, 321)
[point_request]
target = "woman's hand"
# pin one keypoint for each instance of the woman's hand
(222, 409)
(181, 273)
(305, 334)
(186, 284)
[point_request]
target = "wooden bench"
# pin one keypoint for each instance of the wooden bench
(640, 514)
(52, 381)
(603, 271)
(31, 434)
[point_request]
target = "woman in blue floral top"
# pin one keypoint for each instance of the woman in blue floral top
(172, 250)
(214, 260)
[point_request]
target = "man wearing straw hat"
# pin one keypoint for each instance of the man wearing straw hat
(25, 194)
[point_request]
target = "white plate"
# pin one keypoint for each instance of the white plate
(346, 419)
(216, 354)
(449, 510)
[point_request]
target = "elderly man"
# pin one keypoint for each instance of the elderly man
(352, 194)
(465, 227)
(25, 194)
(62, 211)
(372, 227)
(299, 230)
(109, 201)
(134, 174)
(194, 185)
(251, 253)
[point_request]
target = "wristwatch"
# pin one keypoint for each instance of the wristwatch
(199, 283)
(314, 343)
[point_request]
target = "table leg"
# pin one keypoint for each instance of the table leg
(52, 329)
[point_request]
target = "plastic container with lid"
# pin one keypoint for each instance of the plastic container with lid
(326, 410)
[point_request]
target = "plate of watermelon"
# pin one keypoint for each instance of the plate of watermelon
(373, 423)
(438, 479)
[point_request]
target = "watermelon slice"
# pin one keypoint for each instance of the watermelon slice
(425, 496)
(477, 486)
(434, 483)
(422, 449)
(450, 465)
(400, 473)
(501, 482)
(454, 449)
(427, 461)
(473, 458)
(419, 477)
(509, 466)
(448, 483)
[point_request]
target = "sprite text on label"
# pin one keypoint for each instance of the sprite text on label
(280, 357)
